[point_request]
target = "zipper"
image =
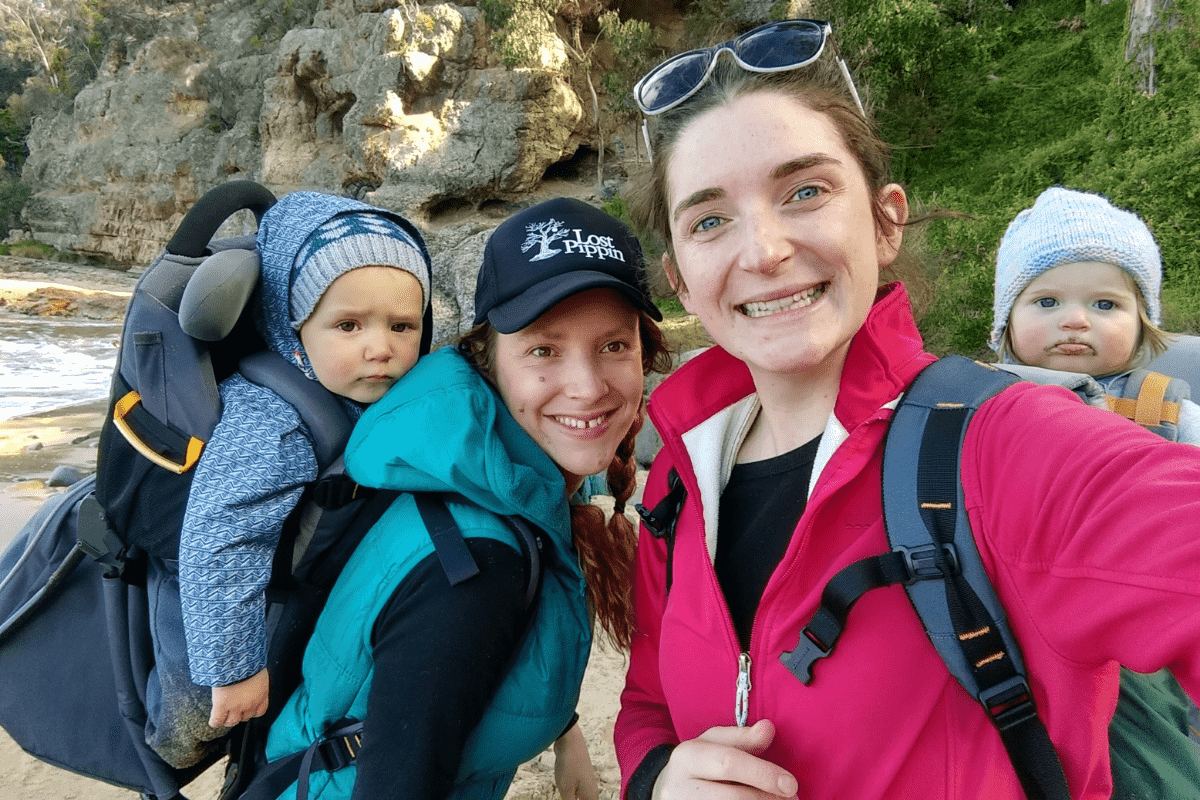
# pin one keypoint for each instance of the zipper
(741, 706)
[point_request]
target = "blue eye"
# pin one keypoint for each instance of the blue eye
(806, 193)
(1045, 302)
(707, 224)
(1105, 305)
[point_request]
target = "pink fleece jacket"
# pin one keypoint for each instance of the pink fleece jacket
(1087, 525)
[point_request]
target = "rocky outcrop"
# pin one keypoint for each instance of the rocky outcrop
(399, 103)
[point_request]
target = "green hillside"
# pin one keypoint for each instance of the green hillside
(990, 106)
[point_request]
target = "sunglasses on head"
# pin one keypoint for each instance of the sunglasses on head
(774, 47)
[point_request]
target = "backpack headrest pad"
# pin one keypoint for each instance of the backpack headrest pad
(217, 293)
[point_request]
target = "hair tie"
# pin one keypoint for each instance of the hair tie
(619, 506)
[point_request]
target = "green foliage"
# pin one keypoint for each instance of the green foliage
(496, 13)
(617, 207)
(12, 140)
(30, 249)
(708, 21)
(634, 53)
(13, 195)
(670, 307)
(522, 27)
(1002, 105)
(58, 40)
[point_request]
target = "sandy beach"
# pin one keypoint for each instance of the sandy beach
(33, 446)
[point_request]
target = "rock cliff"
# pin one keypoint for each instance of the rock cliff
(403, 105)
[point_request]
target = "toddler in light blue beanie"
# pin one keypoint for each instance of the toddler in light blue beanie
(1084, 237)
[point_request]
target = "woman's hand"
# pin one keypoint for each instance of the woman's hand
(573, 772)
(723, 764)
(240, 701)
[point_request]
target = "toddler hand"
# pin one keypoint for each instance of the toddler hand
(574, 775)
(240, 701)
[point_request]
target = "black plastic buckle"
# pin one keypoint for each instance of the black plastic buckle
(96, 538)
(337, 491)
(1009, 704)
(922, 561)
(662, 518)
(338, 753)
(808, 651)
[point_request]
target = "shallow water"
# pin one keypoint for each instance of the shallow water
(48, 362)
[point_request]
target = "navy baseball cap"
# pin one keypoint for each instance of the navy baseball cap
(548, 252)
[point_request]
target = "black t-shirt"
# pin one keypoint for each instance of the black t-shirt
(759, 510)
(440, 653)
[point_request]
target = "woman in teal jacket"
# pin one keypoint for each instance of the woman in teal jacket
(454, 688)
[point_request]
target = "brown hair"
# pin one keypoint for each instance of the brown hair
(606, 552)
(820, 86)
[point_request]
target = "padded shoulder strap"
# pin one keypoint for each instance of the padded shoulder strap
(1083, 385)
(926, 519)
(320, 409)
(922, 494)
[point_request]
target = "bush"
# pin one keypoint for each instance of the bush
(13, 195)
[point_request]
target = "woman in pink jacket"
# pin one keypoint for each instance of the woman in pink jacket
(769, 186)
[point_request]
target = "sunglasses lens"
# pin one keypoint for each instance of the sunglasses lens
(780, 46)
(672, 80)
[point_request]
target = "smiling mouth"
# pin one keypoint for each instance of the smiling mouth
(583, 424)
(792, 301)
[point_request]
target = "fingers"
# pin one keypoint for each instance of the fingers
(227, 717)
(754, 739)
(241, 701)
(723, 764)
(223, 718)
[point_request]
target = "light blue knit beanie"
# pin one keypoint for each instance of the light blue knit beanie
(1065, 226)
(347, 242)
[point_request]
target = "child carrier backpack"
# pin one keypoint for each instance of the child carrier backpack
(76, 648)
(935, 557)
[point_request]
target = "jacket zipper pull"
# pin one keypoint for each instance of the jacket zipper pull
(741, 706)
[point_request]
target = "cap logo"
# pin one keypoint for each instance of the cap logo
(545, 234)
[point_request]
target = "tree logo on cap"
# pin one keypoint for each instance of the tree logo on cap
(544, 234)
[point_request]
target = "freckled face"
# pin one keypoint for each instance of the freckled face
(1078, 317)
(365, 332)
(773, 233)
(573, 379)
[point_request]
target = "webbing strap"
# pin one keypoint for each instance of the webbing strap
(818, 637)
(661, 520)
(448, 541)
(336, 750)
(1150, 399)
(1149, 408)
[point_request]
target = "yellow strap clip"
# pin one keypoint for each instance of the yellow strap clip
(121, 410)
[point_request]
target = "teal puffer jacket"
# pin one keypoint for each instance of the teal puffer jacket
(442, 429)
